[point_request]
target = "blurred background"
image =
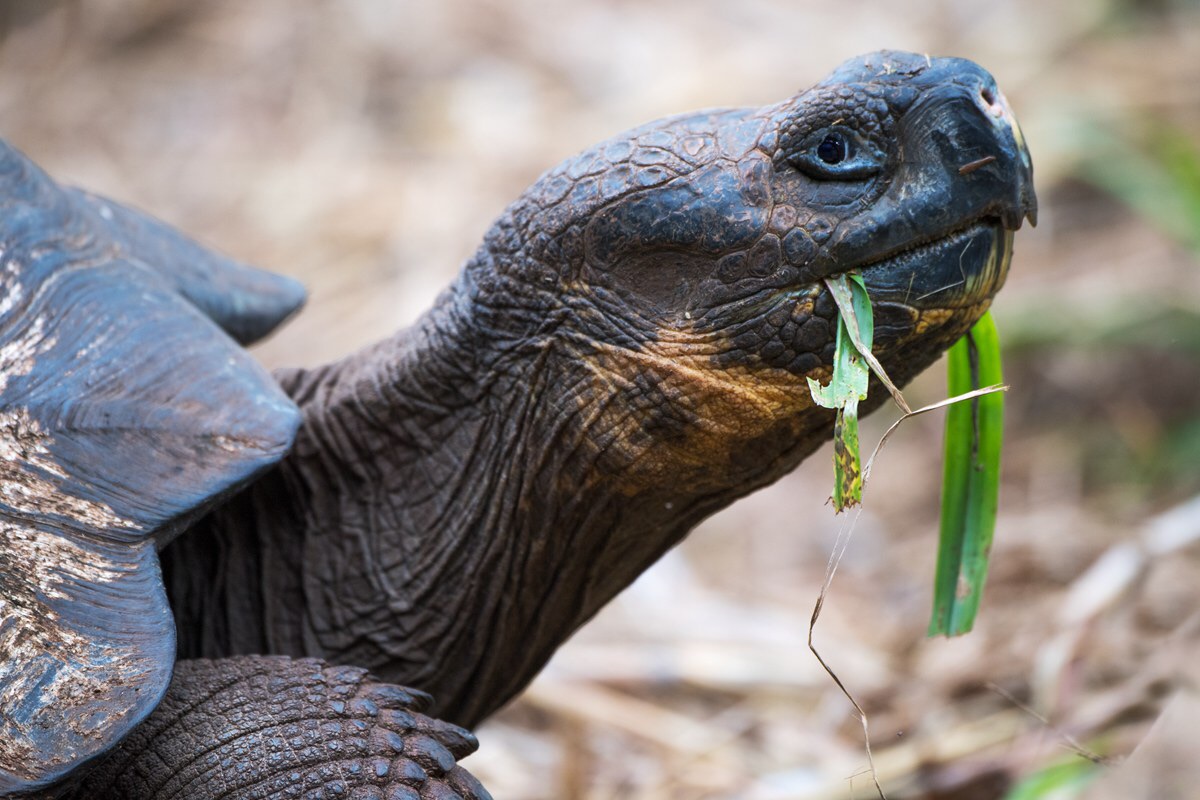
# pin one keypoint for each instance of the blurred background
(365, 146)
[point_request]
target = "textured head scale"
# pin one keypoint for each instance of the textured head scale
(690, 251)
(706, 216)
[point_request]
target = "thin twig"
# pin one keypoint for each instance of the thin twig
(839, 549)
(958, 398)
(971, 166)
(835, 558)
(1070, 741)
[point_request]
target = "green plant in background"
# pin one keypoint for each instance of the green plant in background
(1156, 172)
(1064, 780)
(1144, 341)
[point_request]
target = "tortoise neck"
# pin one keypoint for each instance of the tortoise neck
(442, 519)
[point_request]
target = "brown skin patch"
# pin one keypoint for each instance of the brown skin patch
(695, 418)
(682, 419)
(932, 318)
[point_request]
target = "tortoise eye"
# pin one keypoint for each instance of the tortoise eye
(837, 154)
(833, 149)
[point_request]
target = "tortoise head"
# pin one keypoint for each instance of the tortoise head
(686, 257)
(124, 412)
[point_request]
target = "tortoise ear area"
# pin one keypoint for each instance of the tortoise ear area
(87, 648)
(247, 303)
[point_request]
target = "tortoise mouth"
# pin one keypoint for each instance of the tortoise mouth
(960, 269)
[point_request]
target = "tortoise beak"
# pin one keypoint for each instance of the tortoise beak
(1011, 142)
(992, 156)
(961, 159)
(988, 148)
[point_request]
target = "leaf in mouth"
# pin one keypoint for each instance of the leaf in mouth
(851, 373)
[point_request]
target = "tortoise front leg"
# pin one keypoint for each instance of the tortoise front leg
(276, 727)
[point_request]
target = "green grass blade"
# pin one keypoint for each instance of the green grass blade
(854, 309)
(847, 385)
(971, 481)
(847, 458)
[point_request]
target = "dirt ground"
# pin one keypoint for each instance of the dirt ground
(365, 146)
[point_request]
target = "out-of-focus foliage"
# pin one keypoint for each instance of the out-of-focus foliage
(1064, 780)
(1155, 168)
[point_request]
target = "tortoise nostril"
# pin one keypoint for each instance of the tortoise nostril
(991, 101)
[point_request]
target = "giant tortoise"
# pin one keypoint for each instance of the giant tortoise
(625, 354)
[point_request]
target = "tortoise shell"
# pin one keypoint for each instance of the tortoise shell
(127, 407)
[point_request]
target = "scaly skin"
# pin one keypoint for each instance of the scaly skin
(625, 354)
(293, 728)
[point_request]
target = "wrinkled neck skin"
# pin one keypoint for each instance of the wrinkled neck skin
(461, 498)
(625, 355)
